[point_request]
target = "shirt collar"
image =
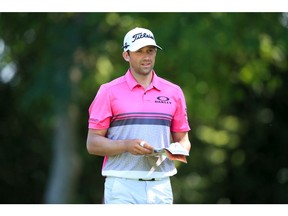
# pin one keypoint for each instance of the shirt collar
(132, 83)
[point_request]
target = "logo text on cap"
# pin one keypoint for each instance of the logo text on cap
(141, 35)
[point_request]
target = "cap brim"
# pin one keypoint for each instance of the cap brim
(139, 47)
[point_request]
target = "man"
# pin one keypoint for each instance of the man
(129, 118)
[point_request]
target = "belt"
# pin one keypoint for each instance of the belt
(143, 179)
(152, 179)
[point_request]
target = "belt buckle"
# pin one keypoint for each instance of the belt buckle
(143, 179)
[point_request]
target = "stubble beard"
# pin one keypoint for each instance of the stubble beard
(144, 71)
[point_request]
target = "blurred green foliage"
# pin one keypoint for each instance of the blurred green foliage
(233, 70)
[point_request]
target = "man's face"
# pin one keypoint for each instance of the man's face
(142, 61)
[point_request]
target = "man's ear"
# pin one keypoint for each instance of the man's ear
(126, 56)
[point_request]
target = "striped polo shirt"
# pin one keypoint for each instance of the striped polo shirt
(128, 111)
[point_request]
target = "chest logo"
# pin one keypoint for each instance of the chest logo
(163, 100)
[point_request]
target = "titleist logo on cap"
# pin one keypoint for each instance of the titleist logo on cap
(141, 35)
(132, 40)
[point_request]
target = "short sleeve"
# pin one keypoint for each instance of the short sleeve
(180, 119)
(100, 110)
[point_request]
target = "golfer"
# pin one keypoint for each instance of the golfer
(130, 117)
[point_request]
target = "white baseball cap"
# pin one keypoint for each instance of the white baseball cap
(137, 38)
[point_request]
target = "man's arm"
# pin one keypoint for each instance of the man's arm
(98, 144)
(182, 138)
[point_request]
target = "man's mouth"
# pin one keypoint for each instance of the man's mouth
(146, 64)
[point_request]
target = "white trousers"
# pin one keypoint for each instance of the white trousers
(130, 191)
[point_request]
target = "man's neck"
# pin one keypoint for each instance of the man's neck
(143, 79)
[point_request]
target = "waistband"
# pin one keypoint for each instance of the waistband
(152, 179)
(141, 179)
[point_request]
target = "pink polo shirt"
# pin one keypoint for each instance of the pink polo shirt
(128, 111)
